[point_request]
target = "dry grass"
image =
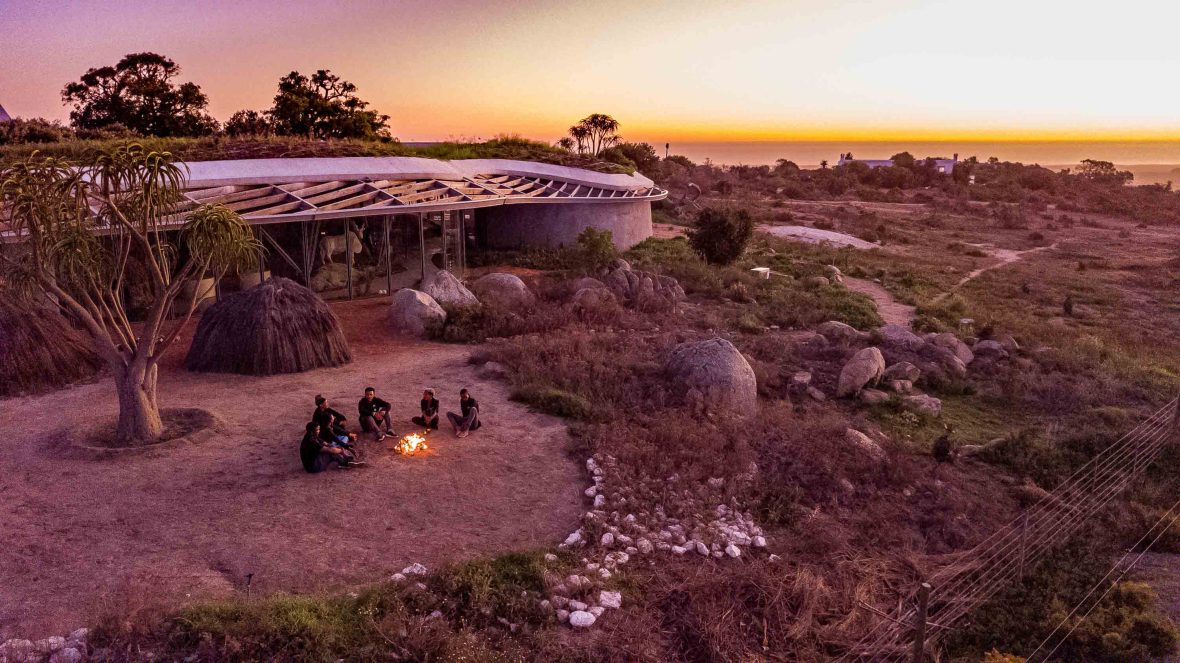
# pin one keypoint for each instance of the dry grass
(275, 327)
(41, 350)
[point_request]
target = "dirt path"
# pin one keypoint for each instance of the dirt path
(1003, 256)
(197, 519)
(891, 311)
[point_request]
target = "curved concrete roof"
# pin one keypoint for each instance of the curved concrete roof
(278, 190)
(203, 174)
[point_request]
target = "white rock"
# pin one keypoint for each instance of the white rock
(414, 569)
(577, 605)
(563, 615)
(573, 539)
(644, 546)
(630, 518)
(610, 599)
(435, 614)
(546, 604)
(599, 501)
(718, 554)
(678, 550)
(550, 557)
(716, 482)
(51, 644)
(597, 611)
(79, 635)
(591, 491)
(421, 586)
(397, 577)
(759, 542)
(592, 566)
(604, 573)
(559, 601)
(774, 558)
(733, 551)
(607, 540)
(632, 550)
(701, 547)
(581, 619)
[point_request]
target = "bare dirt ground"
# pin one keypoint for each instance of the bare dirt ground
(207, 516)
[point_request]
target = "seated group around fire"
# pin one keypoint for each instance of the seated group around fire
(328, 442)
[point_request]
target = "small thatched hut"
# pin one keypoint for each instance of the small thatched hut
(277, 326)
(40, 349)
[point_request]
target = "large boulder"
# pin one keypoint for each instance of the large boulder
(951, 342)
(447, 290)
(924, 404)
(413, 312)
(714, 372)
(901, 337)
(866, 367)
(945, 358)
(505, 291)
(589, 300)
(838, 332)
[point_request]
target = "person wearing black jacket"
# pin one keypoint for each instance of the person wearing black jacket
(331, 423)
(469, 420)
(374, 414)
(429, 405)
(318, 455)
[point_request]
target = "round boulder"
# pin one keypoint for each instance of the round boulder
(502, 290)
(901, 337)
(716, 371)
(951, 342)
(447, 290)
(866, 367)
(837, 332)
(413, 312)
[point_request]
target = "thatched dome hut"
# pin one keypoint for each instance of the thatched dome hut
(277, 326)
(40, 349)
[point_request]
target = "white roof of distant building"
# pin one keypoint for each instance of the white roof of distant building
(4, 116)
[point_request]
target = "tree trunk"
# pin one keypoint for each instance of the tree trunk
(139, 417)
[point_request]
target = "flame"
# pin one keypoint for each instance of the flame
(411, 444)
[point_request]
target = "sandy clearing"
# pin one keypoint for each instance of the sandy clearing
(195, 520)
(817, 236)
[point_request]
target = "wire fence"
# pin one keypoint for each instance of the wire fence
(979, 573)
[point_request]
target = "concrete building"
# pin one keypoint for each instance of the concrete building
(946, 166)
(353, 226)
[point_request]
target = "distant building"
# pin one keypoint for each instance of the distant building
(941, 165)
(4, 116)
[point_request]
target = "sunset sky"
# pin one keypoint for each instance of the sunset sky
(687, 70)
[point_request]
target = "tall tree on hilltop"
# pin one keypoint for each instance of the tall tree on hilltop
(324, 105)
(594, 133)
(139, 93)
(56, 209)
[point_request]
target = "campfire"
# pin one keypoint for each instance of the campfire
(411, 444)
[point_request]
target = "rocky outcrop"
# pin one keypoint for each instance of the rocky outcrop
(714, 375)
(503, 291)
(414, 313)
(866, 367)
(447, 290)
(642, 290)
(990, 350)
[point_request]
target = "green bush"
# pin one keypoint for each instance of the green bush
(721, 235)
(596, 249)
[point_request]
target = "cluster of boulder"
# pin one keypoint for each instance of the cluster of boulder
(901, 358)
(622, 285)
(71, 648)
(416, 312)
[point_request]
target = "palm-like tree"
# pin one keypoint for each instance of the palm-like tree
(594, 133)
(78, 226)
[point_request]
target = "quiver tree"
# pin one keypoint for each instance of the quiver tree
(78, 226)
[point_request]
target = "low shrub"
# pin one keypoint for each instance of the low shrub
(721, 235)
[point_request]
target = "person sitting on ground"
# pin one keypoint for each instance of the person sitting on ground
(429, 418)
(374, 415)
(318, 455)
(469, 420)
(331, 423)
